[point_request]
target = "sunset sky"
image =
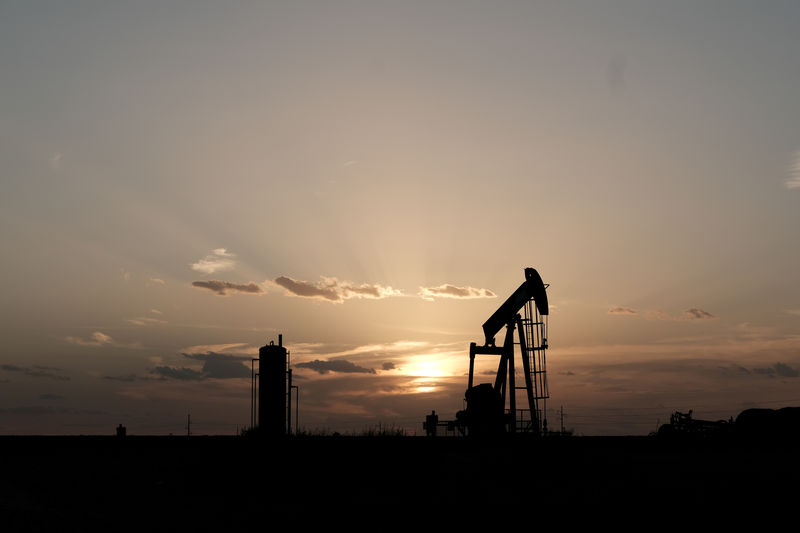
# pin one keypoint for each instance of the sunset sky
(184, 180)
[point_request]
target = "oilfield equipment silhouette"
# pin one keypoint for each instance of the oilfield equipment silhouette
(271, 391)
(491, 409)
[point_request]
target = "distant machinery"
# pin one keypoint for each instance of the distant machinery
(684, 424)
(759, 424)
(271, 391)
(492, 408)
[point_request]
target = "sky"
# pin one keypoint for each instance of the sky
(183, 181)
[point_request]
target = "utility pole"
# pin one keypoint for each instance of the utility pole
(189, 425)
(562, 419)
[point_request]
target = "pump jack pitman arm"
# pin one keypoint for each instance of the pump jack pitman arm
(532, 287)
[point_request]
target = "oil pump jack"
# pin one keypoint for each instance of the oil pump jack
(486, 412)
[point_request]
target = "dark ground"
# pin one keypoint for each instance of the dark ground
(232, 483)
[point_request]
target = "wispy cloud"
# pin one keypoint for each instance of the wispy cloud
(622, 311)
(145, 321)
(157, 281)
(793, 181)
(36, 371)
(337, 365)
(223, 287)
(452, 291)
(241, 348)
(218, 260)
(98, 338)
(697, 314)
(332, 290)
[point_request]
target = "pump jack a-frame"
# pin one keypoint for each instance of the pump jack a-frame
(486, 412)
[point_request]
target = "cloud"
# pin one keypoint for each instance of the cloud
(222, 287)
(145, 321)
(215, 366)
(36, 371)
(451, 291)
(785, 370)
(365, 290)
(183, 374)
(158, 281)
(793, 181)
(126, 377)
(44, 410)
(222, 366)
(218, 260)
(388, 365)
(324, 290)
(780, 369)
(97, 338)
(337, 365)
(697, 314)
(241, 348)
(332, 290)
(622, 311)
(50, 397)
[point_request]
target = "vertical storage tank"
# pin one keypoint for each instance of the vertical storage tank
(272, 364)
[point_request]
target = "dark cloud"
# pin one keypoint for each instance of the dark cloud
(332, 290)
(183, 374)
(223, 287)
(50, 397)
(778, 369)
(309, 290)
(622, 311)
(785, 370)
(36, 371)
(451, 291)
(222, 366)
(337, 365)
(127, 377)
(29, 410)
(388, 365)
(697, 314)
(215, 366)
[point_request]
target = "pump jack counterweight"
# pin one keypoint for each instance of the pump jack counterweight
(486, 412)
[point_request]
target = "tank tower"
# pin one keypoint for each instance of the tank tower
(271, 391)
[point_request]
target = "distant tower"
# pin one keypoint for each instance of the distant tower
(272, 364)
